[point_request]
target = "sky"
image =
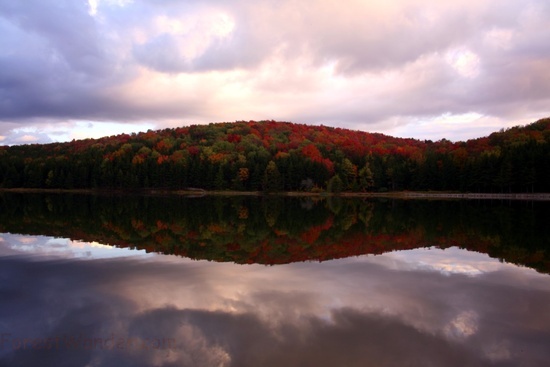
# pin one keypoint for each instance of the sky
(428, 69)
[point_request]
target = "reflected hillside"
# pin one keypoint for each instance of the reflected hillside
(275, 230)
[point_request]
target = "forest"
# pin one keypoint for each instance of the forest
(273, 156)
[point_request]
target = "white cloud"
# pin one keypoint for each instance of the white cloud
(28, 138)
(92, 4)
(464, 62)
(500, 38)
(173, 43)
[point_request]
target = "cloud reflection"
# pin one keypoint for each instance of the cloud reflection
(447, 261)
(352, 312)
(62, 247)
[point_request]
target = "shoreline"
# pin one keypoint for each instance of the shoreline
(200, 193)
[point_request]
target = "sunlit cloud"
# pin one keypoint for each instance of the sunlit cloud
(28, 138)
(459, 127)
(500, 38)
(92, 7)
(464, 62)
(176, 42)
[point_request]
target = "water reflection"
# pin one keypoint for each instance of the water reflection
(400, 308)
(271, 230)
(61, 247)
(442, 289)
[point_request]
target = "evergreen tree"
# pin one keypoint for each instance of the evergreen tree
(272, 178)
(366, 180)
(335, 184)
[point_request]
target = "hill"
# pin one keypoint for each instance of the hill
(276, 156)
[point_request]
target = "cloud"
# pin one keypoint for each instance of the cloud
(177, 42)
(363, 65)
(55, 64)
(25, 136)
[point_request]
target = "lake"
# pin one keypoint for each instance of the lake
(153, 280)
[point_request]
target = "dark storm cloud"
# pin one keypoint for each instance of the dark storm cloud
(66, 28)
(60, 62)
(54, 63)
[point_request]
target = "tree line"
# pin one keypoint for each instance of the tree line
(280, 156)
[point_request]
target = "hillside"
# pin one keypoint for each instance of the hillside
(276, 156)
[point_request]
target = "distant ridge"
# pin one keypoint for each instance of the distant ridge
(275, 156)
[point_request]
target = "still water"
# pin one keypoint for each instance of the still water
(173, 281)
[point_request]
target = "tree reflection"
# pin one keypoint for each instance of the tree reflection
(278, 230)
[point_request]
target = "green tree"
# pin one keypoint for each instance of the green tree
(366, 178)
(335, 184)
(272, 178)
(219, 180)
(349, 171)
